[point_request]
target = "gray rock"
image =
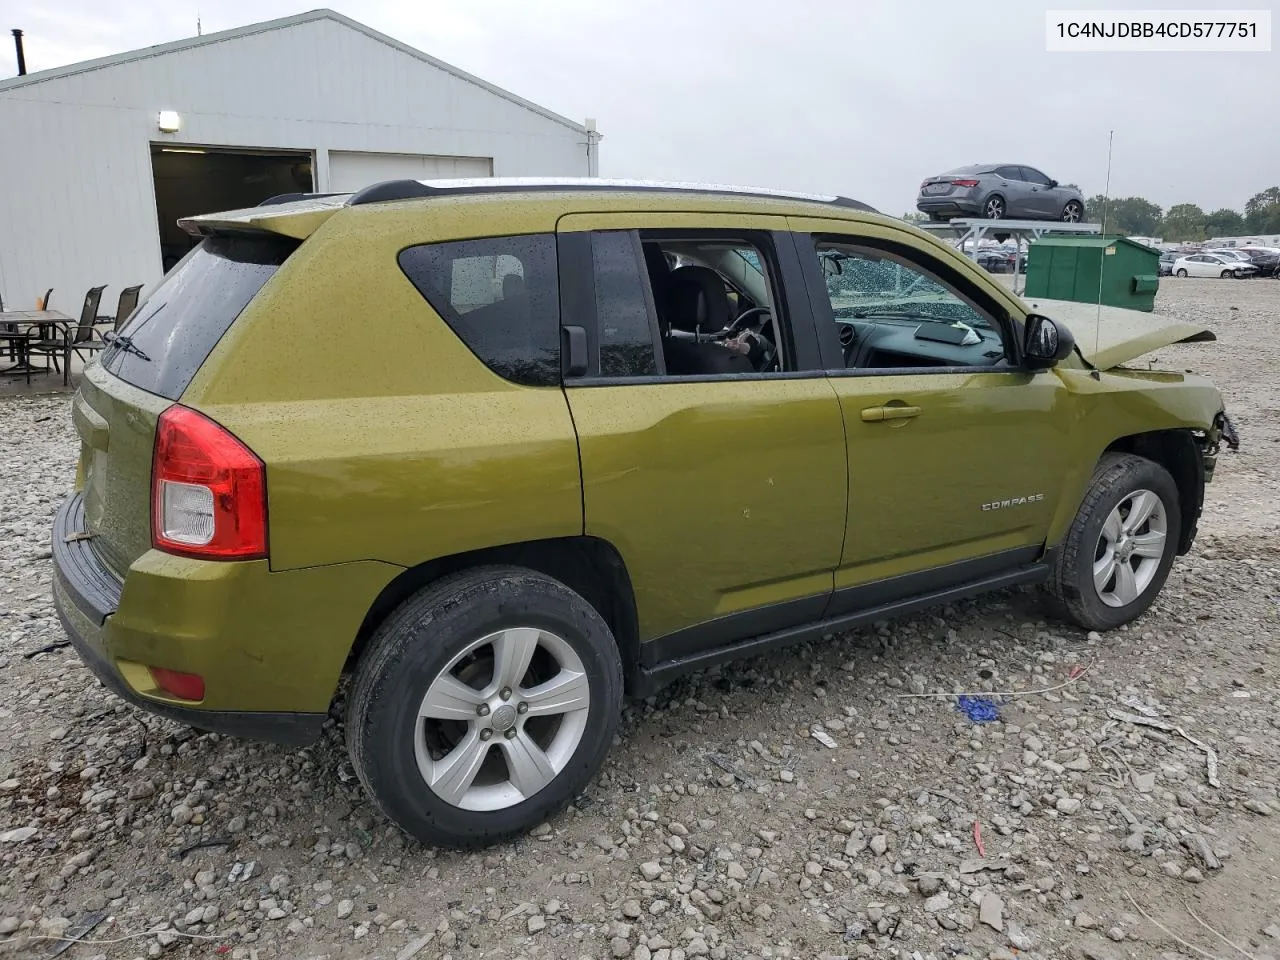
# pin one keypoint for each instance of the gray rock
(344, 908)
(929, 884)
(1067, 805)
(537, 923)
(937, 903)
(18, 835)
(991, 912)
(651, 870)
(619, 947)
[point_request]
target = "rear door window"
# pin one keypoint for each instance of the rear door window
(176, 328)
(500, 295)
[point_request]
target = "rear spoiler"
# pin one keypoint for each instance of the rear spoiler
(283, 215)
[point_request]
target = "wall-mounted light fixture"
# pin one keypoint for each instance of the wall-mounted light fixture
(168, 121)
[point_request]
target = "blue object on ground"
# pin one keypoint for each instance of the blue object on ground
(978, 709)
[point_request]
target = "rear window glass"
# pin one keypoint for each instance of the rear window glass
(500, 295)
(176, 328)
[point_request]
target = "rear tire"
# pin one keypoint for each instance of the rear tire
(1182, 274)
(483, 705)
(1120, 547)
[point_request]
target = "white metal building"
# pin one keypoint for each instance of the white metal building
(99, 159)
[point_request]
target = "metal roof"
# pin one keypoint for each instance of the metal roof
(311, 16)
(417, 189)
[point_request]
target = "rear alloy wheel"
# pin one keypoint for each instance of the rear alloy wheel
(1073, 212)
(483, 705)
(1182, 273)
(1121, 546)
(993, 209)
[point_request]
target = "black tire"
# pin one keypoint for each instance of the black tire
(993, 207)
(411, 649)
(1182, 273)
(1073, 212)
(1070, 593)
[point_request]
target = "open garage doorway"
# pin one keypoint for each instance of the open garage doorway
(191, 180)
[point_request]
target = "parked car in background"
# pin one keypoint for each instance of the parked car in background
(1213, 265)
(996, 261)
(999, 191)
(1167, 260)
(1266, 259)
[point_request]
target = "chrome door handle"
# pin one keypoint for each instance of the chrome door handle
(879, 414)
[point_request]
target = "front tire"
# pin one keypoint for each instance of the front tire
(1073, 212)
(1121, 545)
(1227, 275)
(483, 705)
(994, 208)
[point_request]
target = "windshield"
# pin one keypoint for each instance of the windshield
(863, 285)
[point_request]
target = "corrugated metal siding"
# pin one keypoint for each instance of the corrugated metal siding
(77, 203)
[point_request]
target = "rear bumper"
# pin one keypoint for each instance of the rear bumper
(948, 206)
(88, 599)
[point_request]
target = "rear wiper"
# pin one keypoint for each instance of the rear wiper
(125, 343)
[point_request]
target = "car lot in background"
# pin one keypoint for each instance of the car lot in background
(999, 191)
(1213, 265)
(1167, 260)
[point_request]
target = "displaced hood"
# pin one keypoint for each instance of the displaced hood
(1113, 335)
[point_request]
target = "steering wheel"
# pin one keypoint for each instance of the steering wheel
(733, 329)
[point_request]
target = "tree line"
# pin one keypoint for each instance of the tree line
(1134, 216)
(1137, 217)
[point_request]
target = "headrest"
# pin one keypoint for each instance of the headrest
(698, 300)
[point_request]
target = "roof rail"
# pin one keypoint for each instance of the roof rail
(389, 190)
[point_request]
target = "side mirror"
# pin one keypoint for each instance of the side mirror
(1052, 184)
(1045, 342)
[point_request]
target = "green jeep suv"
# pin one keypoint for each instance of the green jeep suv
(507, 450)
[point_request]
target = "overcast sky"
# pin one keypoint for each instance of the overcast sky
(849, 96)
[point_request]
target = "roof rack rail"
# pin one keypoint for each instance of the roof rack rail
(291, 197)
(389, 190)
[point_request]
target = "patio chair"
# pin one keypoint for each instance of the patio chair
(73, 341)
(124, 308)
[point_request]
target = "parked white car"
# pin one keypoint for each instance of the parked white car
(1213, 265)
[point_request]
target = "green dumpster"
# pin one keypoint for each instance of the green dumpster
(1123, 272)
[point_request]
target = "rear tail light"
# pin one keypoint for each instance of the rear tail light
(208, 491)
(964, 183)
(184, 686)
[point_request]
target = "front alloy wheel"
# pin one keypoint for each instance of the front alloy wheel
(1072, 213)
(1119, 549)
(1133, 541)
(994, 208)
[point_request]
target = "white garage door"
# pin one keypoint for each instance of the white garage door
(351, 170)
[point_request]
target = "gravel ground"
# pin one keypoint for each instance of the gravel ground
(806, 804)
